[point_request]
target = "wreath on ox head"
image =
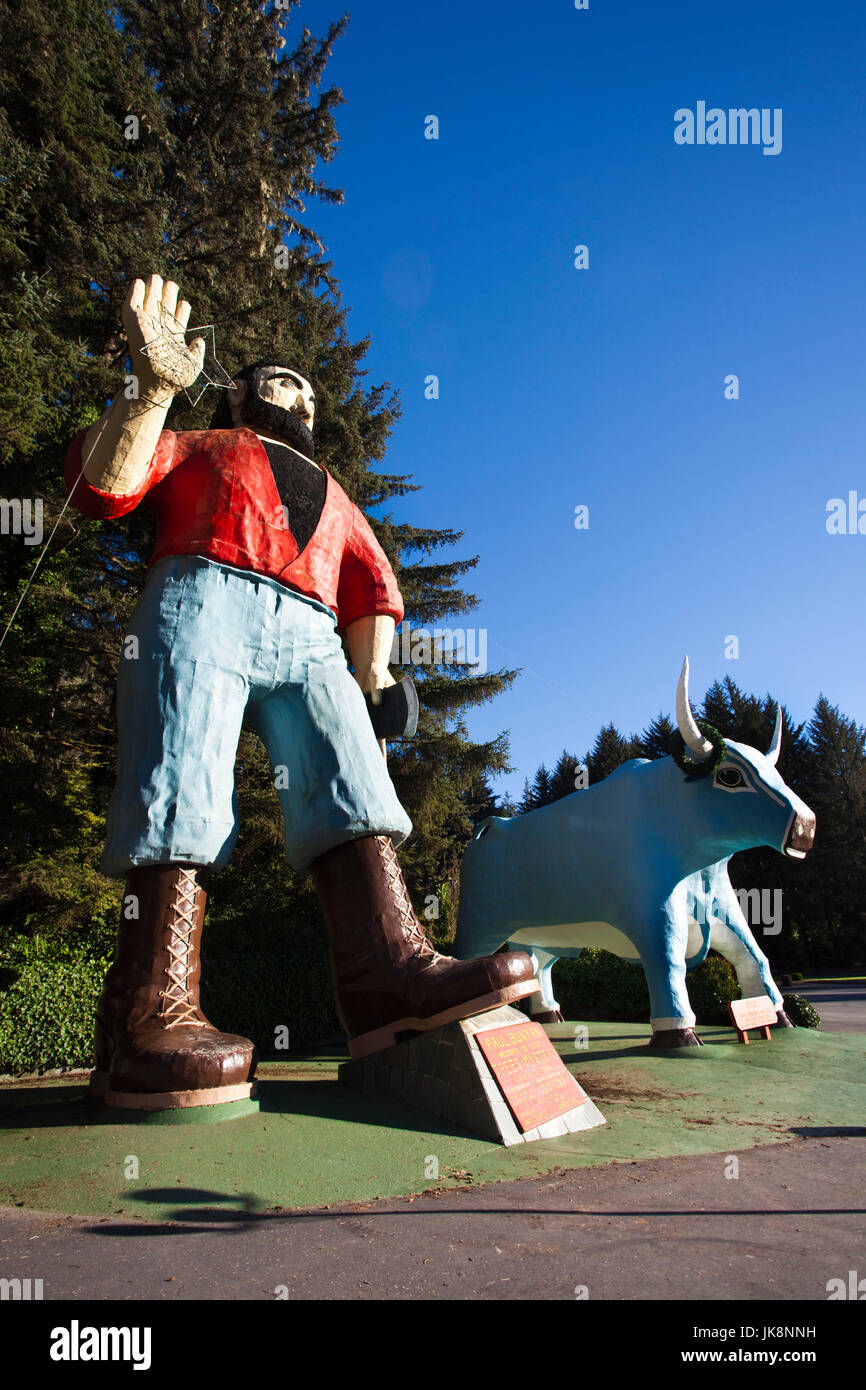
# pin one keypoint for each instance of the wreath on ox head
(690, 765)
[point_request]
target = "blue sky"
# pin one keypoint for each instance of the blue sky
(605, 387)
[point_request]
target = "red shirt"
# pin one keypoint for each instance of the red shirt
(213, 494)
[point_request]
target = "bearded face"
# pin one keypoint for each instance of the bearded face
(276, 402)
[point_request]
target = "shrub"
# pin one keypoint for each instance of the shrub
(256, 976)
(601, 985)
(800, 1011)
(711, 988)
(46, 1015)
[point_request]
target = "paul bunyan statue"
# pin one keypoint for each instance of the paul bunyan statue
(261, 562)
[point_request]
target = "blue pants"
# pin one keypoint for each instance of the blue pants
(216, 647)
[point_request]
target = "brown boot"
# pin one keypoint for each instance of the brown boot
(155, 1050)
(388, 977)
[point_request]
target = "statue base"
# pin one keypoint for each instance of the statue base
(170, 1107)
(496, 1074)
(102, 1114)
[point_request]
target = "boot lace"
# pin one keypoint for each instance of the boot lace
(178, 1005)
(423, 948)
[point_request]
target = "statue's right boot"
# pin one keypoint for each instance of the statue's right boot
(154, 1047)
(390, 981)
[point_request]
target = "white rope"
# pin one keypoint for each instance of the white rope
(44, 549)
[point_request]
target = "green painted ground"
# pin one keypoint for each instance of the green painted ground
(314, 1142)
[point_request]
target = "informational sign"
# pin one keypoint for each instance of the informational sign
(759, 1012)
(530, 1074)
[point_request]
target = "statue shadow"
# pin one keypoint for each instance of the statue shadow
(52, 1107)
(329, 1100)
(43, 1107)
(829, 1131)
(196, 1210)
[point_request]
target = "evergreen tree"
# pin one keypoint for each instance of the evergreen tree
(210, 185)
(657, 740)
(562, 781)
(480, 800)
(830, 905)
(609, 751)
(541, 794)
(74, 207)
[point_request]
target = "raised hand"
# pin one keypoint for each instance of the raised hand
(155, 324)
(118, 449)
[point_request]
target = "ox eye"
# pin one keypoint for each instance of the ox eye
(729, 777)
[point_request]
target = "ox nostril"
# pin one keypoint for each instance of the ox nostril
(801, 836)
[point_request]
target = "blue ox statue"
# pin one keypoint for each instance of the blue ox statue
(638, 865)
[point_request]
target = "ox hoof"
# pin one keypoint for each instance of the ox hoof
(547, 1016)
(675, 1037)
(782, 1020)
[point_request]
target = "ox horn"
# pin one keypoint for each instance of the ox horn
(776, 740)
(698, 746)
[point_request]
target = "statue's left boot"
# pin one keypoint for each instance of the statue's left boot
(155, 1049)
(389, 980)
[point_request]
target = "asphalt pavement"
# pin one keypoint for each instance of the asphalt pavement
(776, 1222)
(779, 1222)
(841, 1003)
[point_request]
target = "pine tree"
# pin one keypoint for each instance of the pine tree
(480, 800)
(563, 777)
(72, 208)
(737, 715)
(210, 185)
(830, 911)
(609, 751)
(541, 795)
(657, 740)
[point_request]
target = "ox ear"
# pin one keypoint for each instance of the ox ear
(776, 740)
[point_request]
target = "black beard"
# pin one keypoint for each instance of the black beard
(278, 423)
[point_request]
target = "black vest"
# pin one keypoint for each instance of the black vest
(301, 486)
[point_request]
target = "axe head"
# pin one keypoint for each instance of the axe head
(397, 716)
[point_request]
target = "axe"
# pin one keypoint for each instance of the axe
(397, 715)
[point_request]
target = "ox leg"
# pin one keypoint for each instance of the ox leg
(550, 1011)
(671, 1015)
(731, 936)
(543, 1007)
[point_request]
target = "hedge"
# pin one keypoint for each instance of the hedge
(269, 975)
(255, 979)
(600, 985)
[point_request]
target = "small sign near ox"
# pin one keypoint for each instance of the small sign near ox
(759, 1012)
